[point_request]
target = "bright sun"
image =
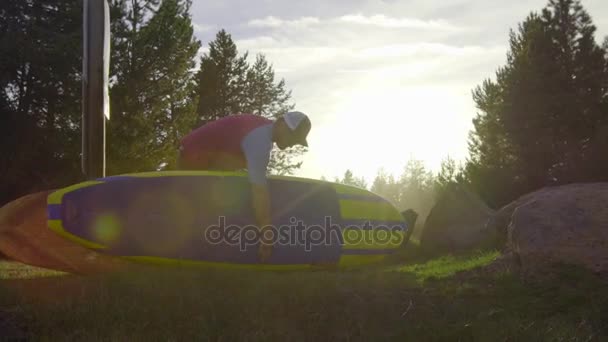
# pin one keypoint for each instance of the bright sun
(373, 128)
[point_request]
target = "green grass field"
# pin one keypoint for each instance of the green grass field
(417, 300)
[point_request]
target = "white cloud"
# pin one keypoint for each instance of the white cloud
(388, 22)
(425, 50)
(333, 46)
(342, 61)
(378, 20)
(274, 22)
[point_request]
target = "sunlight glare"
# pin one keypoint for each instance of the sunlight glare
(384, 127)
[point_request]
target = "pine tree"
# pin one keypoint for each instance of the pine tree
(412, 190)
(386, 186)
(350, 179)
(415, 187)
(540, 122)
(40, 66)
(221, 88)
(450, 172)
(510, 117)
(154, 53)
(579, 108)
(380, 182)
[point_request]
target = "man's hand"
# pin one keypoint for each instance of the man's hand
(261, 206)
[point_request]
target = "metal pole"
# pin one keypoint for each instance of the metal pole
(95, 100)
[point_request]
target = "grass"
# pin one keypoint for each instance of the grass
(449, 265)
(422, 300)
(14, 270)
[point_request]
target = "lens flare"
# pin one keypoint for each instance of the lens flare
(107, 228)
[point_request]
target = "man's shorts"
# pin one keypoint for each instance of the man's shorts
(222, 163)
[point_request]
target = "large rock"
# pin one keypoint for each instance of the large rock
(500, 221)
(565, 224)
(458, 221)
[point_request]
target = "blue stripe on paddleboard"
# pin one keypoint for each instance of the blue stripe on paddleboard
(112, 178)
(367, 251)
(54, 211)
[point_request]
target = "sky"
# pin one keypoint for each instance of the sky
(383, 81)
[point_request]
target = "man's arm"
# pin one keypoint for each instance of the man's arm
(261, 207)
(256, 147)
(261, 204)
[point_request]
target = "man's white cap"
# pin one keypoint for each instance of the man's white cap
(293, 119)
(299, 124)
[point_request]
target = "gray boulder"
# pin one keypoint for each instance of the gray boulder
(564, 224)
(458, 221)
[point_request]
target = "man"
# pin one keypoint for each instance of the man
(244, 141)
